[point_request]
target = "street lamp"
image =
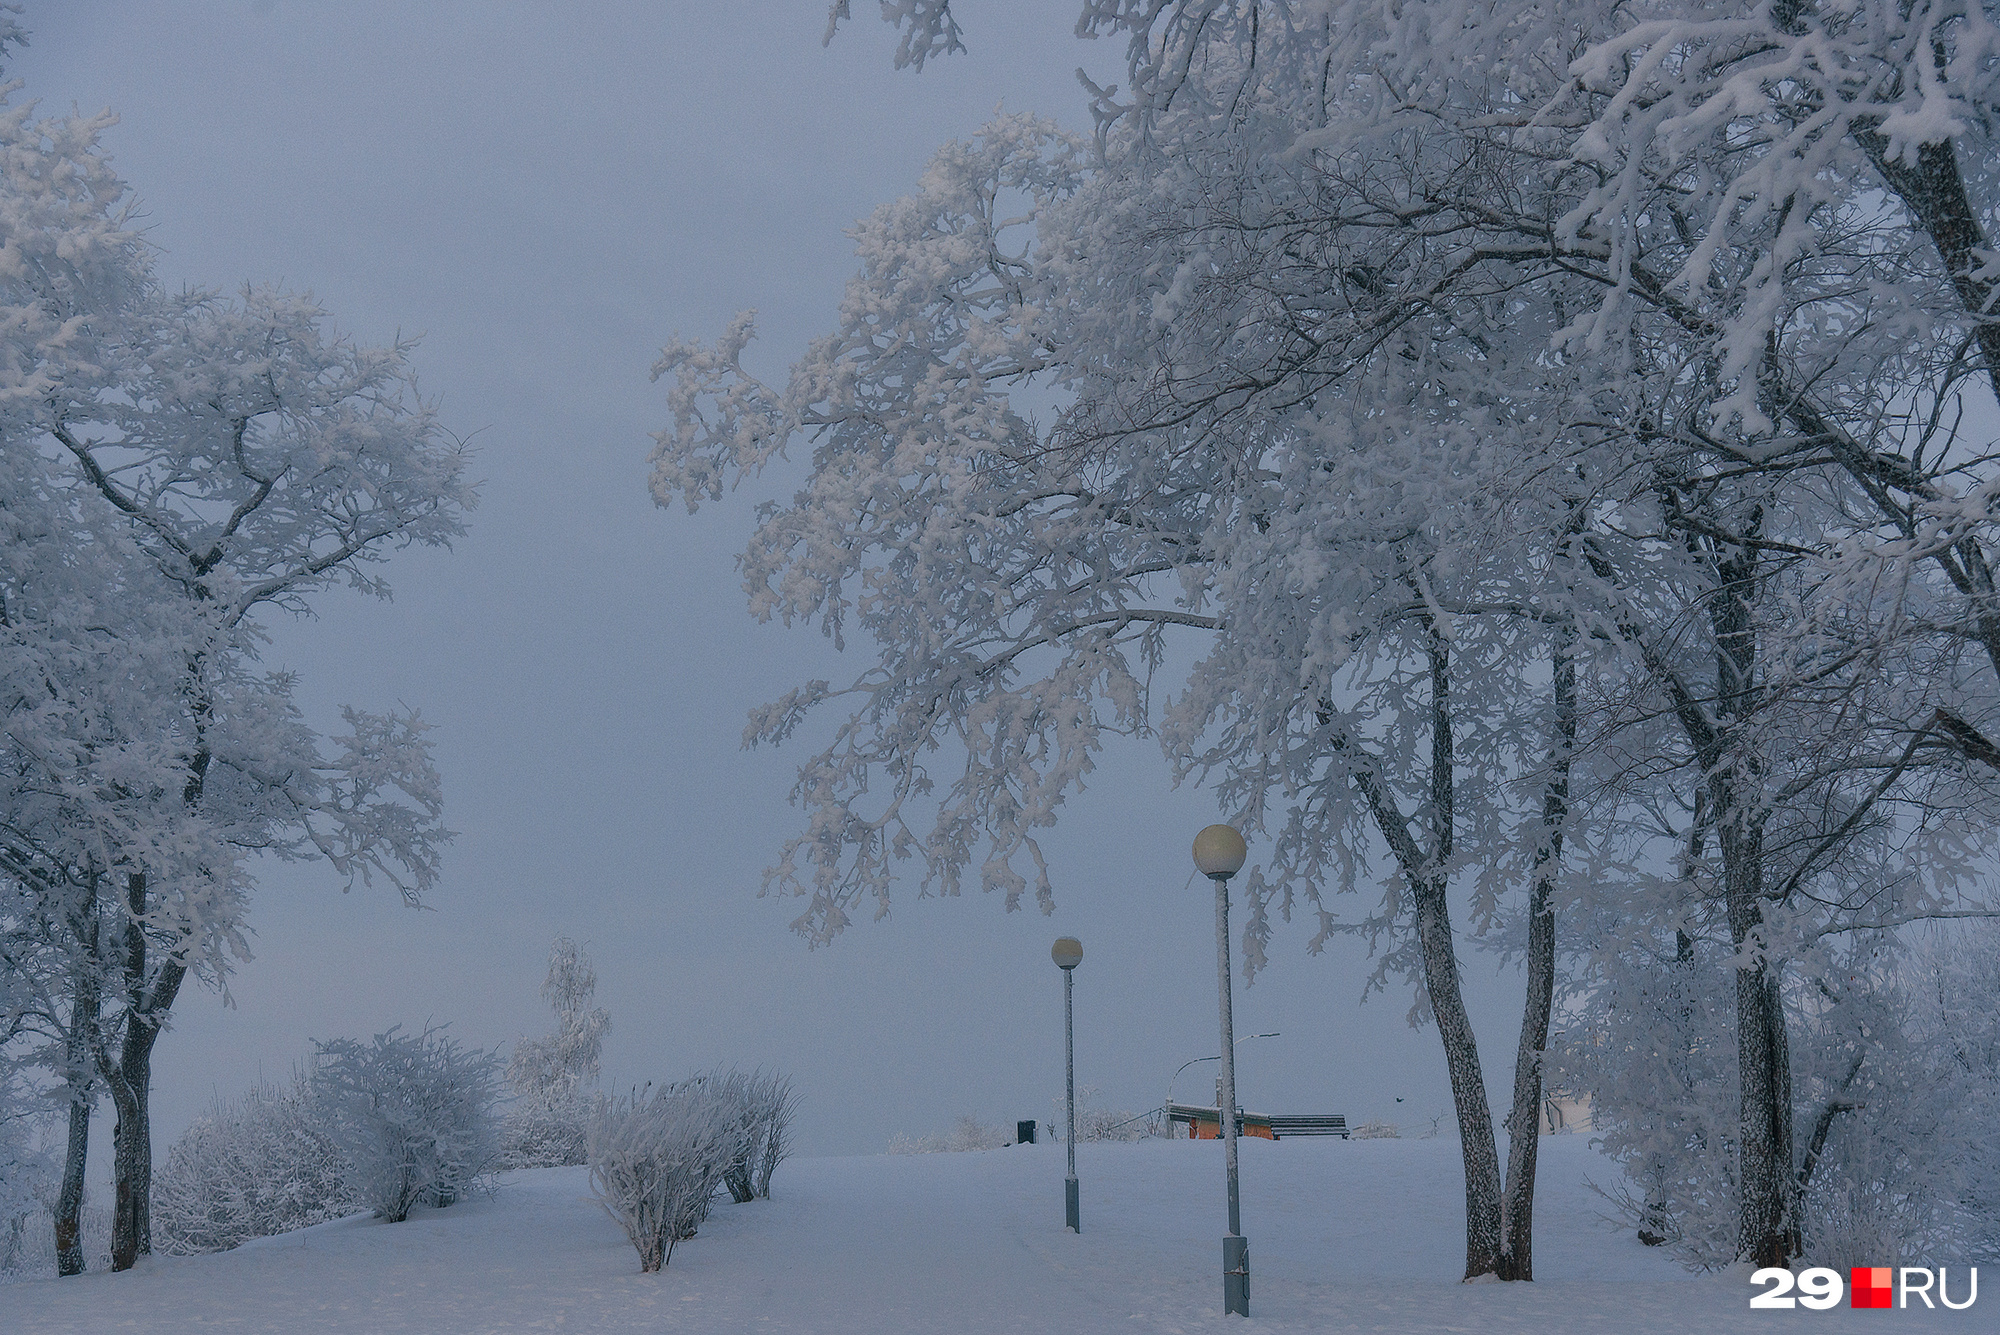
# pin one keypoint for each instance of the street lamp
(1219, 852)
(1192, 1061)
(1068, 953)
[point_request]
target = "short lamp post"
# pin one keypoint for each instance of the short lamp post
(1219, 852)
(1068, 953)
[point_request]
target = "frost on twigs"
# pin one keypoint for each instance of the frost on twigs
(412, 1114)
(967, 1133)
(658, 1157)
(264, 1164)
(927, 29)
(937, 523)
(1094, 1121)
(1376, 1130)
(765, 1101)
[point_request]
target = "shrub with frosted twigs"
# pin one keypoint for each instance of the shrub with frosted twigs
(249, 1169)
(658, 1158)
(413, 1115)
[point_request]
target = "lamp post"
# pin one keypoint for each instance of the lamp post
(1195, 1061)
(1068, 953)
(1219, 852)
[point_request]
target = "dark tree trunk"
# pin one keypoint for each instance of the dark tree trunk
(1428, 877)
(70, 1259)
(1468, 1088)
(85, 1014)
(131, 1085)
(1517, 1211)
(131, 1162)
(1765, 1233)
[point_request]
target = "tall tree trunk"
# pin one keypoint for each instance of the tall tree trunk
(1765, 1214)
(70, 1259)
(85, 1013)
(1483, 1228)
(1517, 1207)
(1429, 880)
(131, 1084)
(128, 1149)
(1763, 1052)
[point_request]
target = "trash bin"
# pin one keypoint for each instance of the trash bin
(1024, 1133)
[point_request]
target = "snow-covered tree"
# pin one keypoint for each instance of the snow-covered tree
(1414, 354)
(86, 653)
(552, 1078)
(1359, 562)
(178, 465)
(414, 1116)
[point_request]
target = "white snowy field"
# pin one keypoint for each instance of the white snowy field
(1362, 1236)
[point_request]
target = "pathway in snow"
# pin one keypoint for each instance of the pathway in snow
(1345, 1237)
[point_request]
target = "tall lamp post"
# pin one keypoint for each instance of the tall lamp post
(1068, 953)
(1219, 852)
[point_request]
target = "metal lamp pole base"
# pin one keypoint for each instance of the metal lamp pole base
(1236, 1276)
(1072, 1207)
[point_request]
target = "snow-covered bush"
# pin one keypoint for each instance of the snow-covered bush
(1654, 1047)
(1895, 1079)
(1094, 1122)
(1899, 1094)
(1376, 1130)
(27, 1179)
(967, 1133)
(551, 1078)
(249, 1169)
(764, 1104)
(412, 1115)
(657, 1158)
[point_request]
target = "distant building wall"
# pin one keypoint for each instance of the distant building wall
(1565, 1112)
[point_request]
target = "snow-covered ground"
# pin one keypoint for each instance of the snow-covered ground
(1345, 1237)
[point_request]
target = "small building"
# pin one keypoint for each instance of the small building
(1206, 1123)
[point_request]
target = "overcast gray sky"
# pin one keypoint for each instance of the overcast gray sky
(546, 193)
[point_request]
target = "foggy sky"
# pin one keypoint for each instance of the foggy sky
(546, 194)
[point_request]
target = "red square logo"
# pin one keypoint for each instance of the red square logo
(1871, 1285)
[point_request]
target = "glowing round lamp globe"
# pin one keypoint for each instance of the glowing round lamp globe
(1067, 952)
(1219, 851)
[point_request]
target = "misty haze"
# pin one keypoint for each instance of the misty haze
(1042, 666)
